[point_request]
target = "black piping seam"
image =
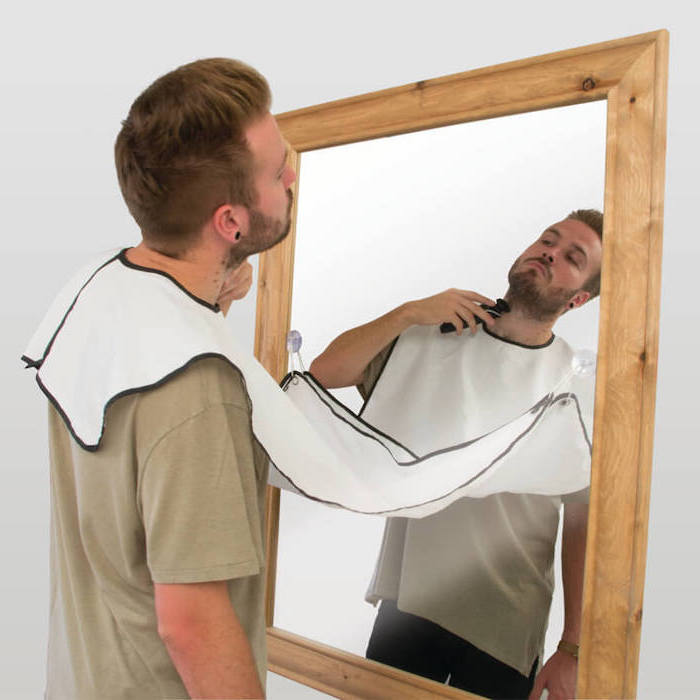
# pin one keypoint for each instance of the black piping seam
(542, 404)
(192, 360)
(287, 378)
(379, 376)
(540, 407)
(137, 390)
(121, 256)
(520, 345)
(320, 391)
(496, 337)
(319, 388)
(31, 364)
(125, 261)
(70, 308)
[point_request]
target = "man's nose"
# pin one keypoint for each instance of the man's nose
(548, 256)
(290, 176)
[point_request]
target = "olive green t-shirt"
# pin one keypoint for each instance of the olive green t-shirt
(174, 494)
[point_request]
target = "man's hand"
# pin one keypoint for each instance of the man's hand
(236, 285)
(558, 676)
(346, 358)
(450, 306)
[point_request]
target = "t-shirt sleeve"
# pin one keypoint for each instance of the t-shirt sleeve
(374, 370)
(196, 498)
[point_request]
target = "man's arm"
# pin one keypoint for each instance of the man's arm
(205, 640)
(343, 362)
(558, 675)
(573, 555)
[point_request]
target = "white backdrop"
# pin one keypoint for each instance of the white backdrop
(69, 72)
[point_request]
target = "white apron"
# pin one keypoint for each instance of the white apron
(117, 328)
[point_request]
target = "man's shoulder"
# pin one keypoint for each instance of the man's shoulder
(208, 388)
(208, 384)
(206, 381)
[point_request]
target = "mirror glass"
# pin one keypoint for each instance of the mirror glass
(393, 219)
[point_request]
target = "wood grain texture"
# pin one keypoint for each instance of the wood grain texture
(273, 312)
(274, 301)
(536, 83)
(345, 675)
(631, 74)
(658, 155)
(628, 348)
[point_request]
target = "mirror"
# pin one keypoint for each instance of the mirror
(629, 76)
(388, 220)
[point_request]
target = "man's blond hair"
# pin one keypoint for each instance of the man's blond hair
(182, 150)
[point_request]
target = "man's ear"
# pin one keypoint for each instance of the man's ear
(230, 221)
(579, 299)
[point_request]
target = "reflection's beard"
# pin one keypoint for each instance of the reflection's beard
(538, 304)
(264, 232)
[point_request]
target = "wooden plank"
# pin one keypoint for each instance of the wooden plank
(345, 675)
(273, 313)
(626, 376)
(520, 86)
(658, 160)
(274, 302)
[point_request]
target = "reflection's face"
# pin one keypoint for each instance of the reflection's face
(269, 219)
(550, 274)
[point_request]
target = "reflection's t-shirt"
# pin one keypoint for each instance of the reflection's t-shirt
(482, 568)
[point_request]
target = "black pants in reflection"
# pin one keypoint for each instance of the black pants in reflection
(419, 646)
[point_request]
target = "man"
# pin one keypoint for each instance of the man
(466, 592)
(157, 562)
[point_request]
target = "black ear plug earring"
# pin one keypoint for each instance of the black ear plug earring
(571, 305)
(238, 235)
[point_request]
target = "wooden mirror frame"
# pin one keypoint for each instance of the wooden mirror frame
(631, 74)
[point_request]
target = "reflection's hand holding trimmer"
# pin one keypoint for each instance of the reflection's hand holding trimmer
(494, 311)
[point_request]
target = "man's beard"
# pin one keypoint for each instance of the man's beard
(537, 304)
(264, 233)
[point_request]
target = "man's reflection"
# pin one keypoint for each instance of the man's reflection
(465, 593)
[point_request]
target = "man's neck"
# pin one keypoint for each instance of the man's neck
(519, 327)
(200, 274)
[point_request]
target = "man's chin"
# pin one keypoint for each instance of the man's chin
(278, 239)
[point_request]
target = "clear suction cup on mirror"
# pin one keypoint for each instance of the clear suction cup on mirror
(583, 363)
(293, 341)
(293, 348)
